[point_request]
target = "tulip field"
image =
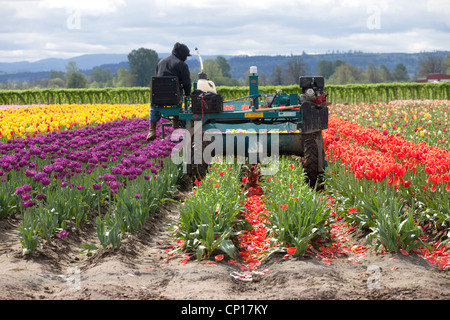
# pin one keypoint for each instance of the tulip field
(60, 163)
(387, 174)
(390, 173)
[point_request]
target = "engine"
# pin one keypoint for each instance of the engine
(312, 90)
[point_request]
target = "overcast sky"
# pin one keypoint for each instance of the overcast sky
(34, 30)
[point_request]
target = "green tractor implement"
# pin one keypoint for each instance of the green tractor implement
(257, 126)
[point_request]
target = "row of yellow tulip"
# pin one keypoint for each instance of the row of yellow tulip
(21, 121)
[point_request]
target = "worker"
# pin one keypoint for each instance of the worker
(173, 65)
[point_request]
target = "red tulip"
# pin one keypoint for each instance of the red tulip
(291, 250)
(219, 257)
(352, 210)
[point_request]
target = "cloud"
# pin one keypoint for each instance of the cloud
(87, 7)
(32, 30)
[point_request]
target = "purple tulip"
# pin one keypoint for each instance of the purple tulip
(28, 204)
(27, 187)
(19, 190)
(109, 177)
(39, 176)
(62, 234)
(69, 153)
(25, 196)
(30, 173)
(97, 186)
(137, 195)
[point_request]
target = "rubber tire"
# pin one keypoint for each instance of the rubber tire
(311, 161)
(198, 170)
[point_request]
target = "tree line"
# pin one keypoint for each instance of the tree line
(142, 65)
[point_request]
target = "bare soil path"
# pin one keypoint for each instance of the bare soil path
(141, 269)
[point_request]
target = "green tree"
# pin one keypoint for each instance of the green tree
(372, 74)
(53, 74)
(446, 64)
(56, 83)
(385, 74)
(399, 74)
(71, 67)
(143, 64)
(76, 80)
(101, 76)
(337, 64)
(123, 78)
(430, 63)
(295, 68)
(212, 69)
(262, 79)
(325, 68)
(277, 76)
(224, 66)
(346, 74)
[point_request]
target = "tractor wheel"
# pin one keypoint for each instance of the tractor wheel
(195, 170)
(313, 159)
(199, 170)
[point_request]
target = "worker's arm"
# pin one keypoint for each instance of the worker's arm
(185, 79)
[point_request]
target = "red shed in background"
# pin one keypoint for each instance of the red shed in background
(434, 77)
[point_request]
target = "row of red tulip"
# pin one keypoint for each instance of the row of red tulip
(374, 155)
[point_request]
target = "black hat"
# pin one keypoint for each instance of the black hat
(181, 50)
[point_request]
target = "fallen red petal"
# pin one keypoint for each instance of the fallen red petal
(291, 250)
(219, 257)
(406, 253)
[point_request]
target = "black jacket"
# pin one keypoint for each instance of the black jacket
(174, 65)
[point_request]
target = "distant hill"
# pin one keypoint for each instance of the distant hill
(84, 62)
(18, 72)
(266, 64)
(28, 71)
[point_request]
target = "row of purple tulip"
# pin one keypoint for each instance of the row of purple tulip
(94, 161)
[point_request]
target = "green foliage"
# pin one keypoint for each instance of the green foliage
(297, 215)
(218, 71)
(29, 233)
(295, 67)
(101, 76)
(210, 218)
(143, 64)
(76, 80)
(131, 207)
(430, 63)
(349, 93)
(75, 96)
(325, 68)
(383, 211)
(9, 203)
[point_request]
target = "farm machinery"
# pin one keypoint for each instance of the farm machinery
(257, 127)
